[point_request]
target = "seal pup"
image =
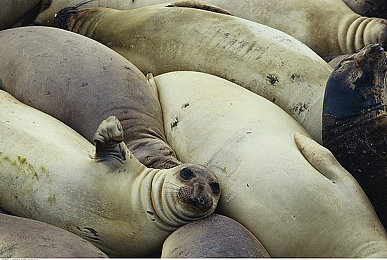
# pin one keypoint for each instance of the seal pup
(21, 238)
(216, 236)
(81, 82)
(103, 194)
(293, 196)
(340, 30)
(12, 10)
(370, 8)
(355, 121)
(161, 39)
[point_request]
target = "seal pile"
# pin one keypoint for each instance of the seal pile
(193, 108)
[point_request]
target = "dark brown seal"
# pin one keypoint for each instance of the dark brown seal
(355, 121)
(370, 8)
(213, 237)
(21, 237)
(81, 82)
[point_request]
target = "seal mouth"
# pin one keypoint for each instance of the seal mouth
(196, 198)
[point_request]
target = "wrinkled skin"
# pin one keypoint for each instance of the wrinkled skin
(355, 121)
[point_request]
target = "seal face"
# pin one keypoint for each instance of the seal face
(355, 121)
(199, 190)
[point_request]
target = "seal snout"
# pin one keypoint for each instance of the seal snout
(200, 189)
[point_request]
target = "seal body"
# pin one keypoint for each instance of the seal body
(340, 30)
(213, 237)
(370, 8)
(294, 207)
(158, 39)
(84, 89)
(355, 121)
(21, 237)
(12, 10)
(104, 194)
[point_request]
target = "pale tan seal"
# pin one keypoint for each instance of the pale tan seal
(104, 194)
(12, 10)
(27, 238)
(81, 82)
(216, 236)
(266, 61)
(340, 30)
(296, 206)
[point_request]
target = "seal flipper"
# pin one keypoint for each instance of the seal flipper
(108, 139)
(320, 158)
(199, 5)
(152, 83)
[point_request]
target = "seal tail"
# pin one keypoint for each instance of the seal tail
(199, 5)
(62, 17)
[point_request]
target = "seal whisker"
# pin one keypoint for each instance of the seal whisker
(174, 184)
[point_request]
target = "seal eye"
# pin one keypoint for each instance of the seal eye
(187, 174)
(215, 187)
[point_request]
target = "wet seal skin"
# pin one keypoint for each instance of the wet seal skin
(288, 190)
(160, 39)
(101, 193)
(355, 121)
(216, 236)
(85, 88)
(27, 238)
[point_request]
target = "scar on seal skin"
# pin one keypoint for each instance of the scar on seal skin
(199, 5)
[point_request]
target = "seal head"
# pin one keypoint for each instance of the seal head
(355, 121)
(198, 188)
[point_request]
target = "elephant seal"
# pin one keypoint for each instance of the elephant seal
(27, 238)
(85, 88)
(12, 10)
(216, 236)
(103, 194)
(355, 121)
(293, 196)
(161, 39)
(340, 29)
(370, 8)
